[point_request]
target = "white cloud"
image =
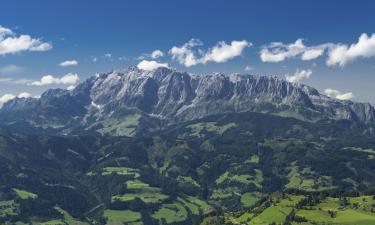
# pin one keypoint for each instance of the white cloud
(70, 87)
(150, 65)
(278, 51)
(331, 92)
(24, 95)
(10, 69)
(184, 54)
(156, 54)
(341, 54)
(298, 75)
(153, 55)
(345, 96)
(249, 68)
(69, 63)
(221, 52)
(337, 94)
(7, 97)
(68, 79)
(312, 53)
(5, 31)
(10, 43)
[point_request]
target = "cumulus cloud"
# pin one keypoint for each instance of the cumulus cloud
(150, 65)
(338, 94)
(7, 97)
(341, 54)
(221, 52)
(5, 31)
(184, 54)
(312, 53)
(278, 51)
(68, 63)
(156, 54)
(10, 69)
(298, 76)
(10, 43)
(68, 79)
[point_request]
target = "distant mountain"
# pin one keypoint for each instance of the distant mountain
(134, 101)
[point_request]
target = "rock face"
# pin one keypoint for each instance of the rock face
(169, 96)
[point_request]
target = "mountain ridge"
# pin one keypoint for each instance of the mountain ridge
(164, 96)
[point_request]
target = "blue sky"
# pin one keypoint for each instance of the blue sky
(104, 35)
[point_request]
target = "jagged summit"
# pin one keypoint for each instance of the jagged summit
(173, 96)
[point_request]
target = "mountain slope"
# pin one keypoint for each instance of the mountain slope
(183, 173)
(135, 101)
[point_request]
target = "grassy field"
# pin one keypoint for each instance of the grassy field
(136, 184)
(121, 171)
(203, 206)
(146, 197)
(198, 128)
(121, 216)
(276, 212)
(249, 199)
(24, 194)
(246, 179)
(125, 127)
(253, 159)
(171, 213)
(329, 211)
(358, 211)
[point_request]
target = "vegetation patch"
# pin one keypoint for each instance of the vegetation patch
(121, 216)
(136, 184)
(345, 210)
(8, 208)
(121, 171)
(250, 198)
(307, 180)
(146, 197)
(253, 159)
(277, 212)
(24, 194)
(198, 128)
(126, 126)
(171, 213)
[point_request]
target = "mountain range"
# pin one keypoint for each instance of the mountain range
(141, 147)
(133, 101)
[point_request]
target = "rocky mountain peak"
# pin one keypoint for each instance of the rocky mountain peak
(175, 96)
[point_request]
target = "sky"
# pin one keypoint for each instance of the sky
(329, 45)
